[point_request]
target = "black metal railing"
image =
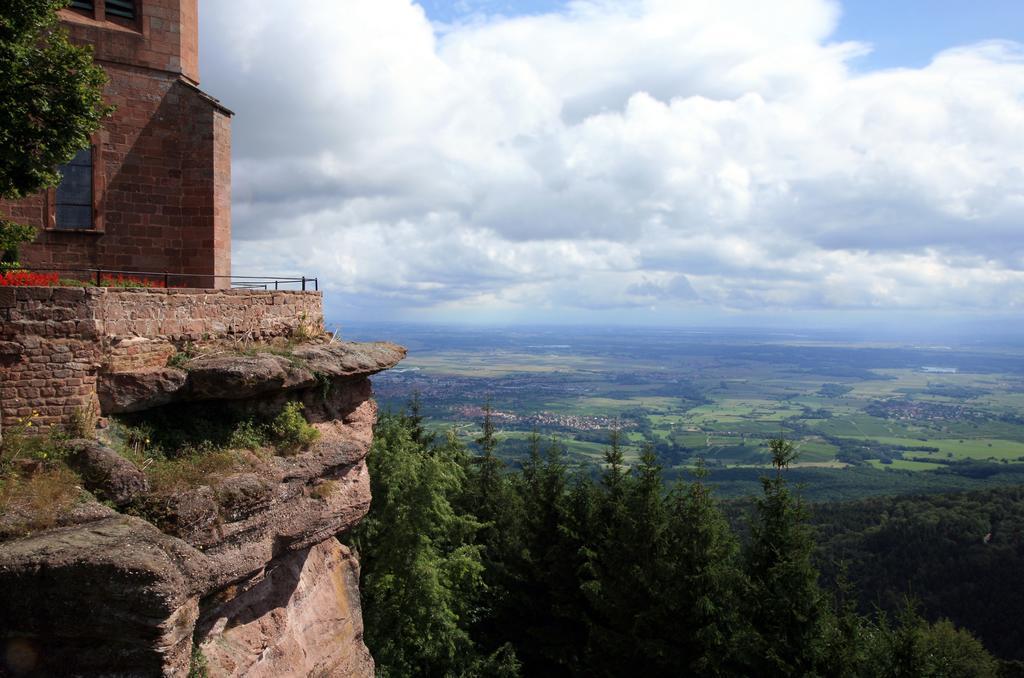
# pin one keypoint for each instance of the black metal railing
(109, 277)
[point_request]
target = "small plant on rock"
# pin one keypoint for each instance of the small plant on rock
(199, 668)
(324, 490)
(248, 435)
(187, 353)
(21, 443)
(305, 329)
(83, 422)
(291, 431)
(36, 487)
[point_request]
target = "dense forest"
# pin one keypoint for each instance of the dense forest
(960, 556)
(473, 569)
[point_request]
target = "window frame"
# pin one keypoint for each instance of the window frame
(99, 13)
(98, 194)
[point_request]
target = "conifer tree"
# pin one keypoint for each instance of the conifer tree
(579, 533)
(786, 605)
(419, 433)
(547, 578)
(422, 575)
(702, 628)
(491, 498)
(486, 473)
(616, 574)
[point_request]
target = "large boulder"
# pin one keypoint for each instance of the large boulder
(121, 392)
(114, 597)
(346, 359)
(230, 375)
(235, 377)
(243, 495)
(105, 473)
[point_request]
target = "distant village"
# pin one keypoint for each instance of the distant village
(574, 422)
(918, 410)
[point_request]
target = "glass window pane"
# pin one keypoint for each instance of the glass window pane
(74, 216)
(76, 186)
(74, 194)
(83, 157)
(121, 8)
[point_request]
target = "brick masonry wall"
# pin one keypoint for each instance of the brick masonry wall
(55, 341)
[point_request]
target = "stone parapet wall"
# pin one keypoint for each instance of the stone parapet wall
(55, 341)
(194, 315)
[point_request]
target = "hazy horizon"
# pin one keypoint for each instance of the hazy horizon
(960, 334)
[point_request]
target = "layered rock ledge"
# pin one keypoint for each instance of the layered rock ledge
(243, 569)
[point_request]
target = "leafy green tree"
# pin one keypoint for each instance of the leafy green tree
(51, 96)
(955, 652)
(915, 649)
(934, 546)
(12, 236)
(51, 101)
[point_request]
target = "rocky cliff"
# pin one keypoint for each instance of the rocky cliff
(236, 567)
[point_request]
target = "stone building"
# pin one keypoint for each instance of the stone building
(153, 191)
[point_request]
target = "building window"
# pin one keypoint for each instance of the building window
(116, 9)
(122, 9)
(74, 194)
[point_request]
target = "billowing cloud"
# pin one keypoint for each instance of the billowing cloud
(659, 154)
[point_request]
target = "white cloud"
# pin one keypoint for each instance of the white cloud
(666, 154)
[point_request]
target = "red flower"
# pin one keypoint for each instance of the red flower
(28, 279)
(121, 280)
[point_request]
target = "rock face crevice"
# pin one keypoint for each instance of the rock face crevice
(306, 606)
(244, 570)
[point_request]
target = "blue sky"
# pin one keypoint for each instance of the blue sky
(908, 33)
(903, 33)
(650, 161)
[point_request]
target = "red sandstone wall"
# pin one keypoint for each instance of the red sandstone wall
(194, 315)
(49, 353)
(54, 341)
(165, 37)
(222, 196)
(163, 201)
(189, 38)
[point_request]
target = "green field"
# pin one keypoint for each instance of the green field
(723, 404)
(906, 465)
